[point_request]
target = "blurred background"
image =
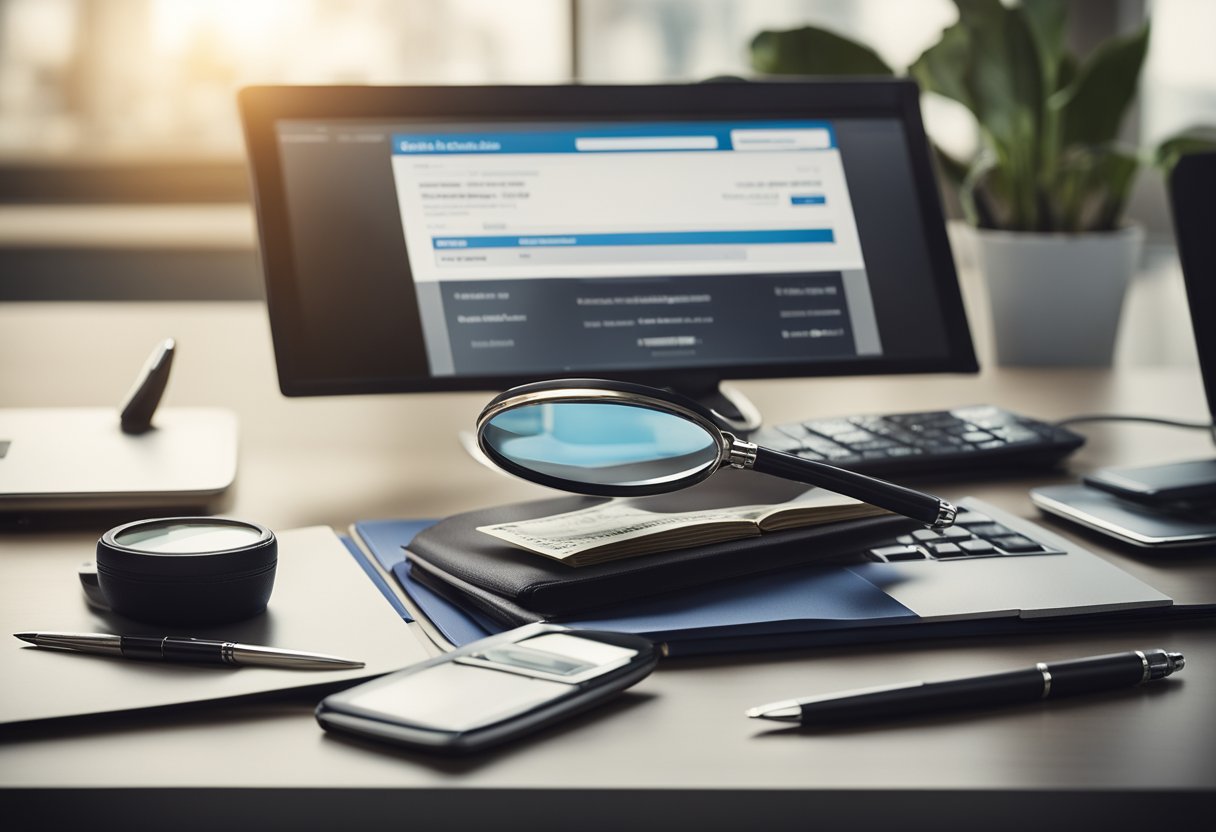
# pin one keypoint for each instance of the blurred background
(119, 139)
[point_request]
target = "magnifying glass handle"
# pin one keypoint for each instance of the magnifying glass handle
(930, 510)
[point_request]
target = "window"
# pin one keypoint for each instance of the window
(138, 79)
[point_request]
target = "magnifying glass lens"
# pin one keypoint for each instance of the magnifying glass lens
(601, 443)
(193, 538)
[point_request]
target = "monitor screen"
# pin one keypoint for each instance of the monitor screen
(424, 248)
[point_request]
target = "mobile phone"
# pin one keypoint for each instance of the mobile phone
(493, 690)
(1159, 483)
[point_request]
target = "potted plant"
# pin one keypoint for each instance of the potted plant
(1047, 191)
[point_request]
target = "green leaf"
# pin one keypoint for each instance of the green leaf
(1091, 188)
(1092, 107)
(1046, 20)
(984, 193)
(1007, 87)
(1006, 83)
(1113, 174)
(813, 51)
(944, 67)
(1066, 72)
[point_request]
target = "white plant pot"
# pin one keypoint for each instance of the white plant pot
(1056, 298)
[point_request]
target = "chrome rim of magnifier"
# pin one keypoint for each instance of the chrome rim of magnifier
(732, 451)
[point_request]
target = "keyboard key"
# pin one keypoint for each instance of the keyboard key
(975, 437)
(853, 437)
(989, 530)
(926, 534)
(947, 551)
(830, 427)
(873, 445)
(1017, 543)
(821, 445)
(1015, 434)
(955, 533)
(977, 547)
(838, 454)
(971, 518)
(896, 553)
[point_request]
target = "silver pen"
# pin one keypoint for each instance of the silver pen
(178, 649)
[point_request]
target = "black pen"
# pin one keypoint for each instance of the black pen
(177, 649)
(1043, 681)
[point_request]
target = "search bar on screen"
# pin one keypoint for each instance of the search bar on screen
(647, 143)
(811, 139)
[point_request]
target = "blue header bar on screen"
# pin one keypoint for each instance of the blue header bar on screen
(653, 238)
(626, 138)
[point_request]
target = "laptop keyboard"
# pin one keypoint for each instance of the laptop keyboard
(962, 439)
(973, 535)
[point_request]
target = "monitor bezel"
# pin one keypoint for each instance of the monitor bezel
(261, 107)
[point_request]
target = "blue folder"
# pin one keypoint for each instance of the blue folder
(806, 605)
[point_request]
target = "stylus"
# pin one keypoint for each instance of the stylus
(1043, 681)
(176, 649)
(135, 416)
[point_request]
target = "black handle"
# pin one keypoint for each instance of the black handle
(1007, 688)
(173, 649)
(915, 504)
(1118, 670)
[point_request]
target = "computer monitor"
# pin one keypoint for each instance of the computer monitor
(1192, 189)
(474, 238)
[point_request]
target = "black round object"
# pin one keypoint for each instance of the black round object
(187, 570)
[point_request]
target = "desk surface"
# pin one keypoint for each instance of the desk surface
(677, 746)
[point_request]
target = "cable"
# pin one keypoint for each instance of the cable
(1154, 420)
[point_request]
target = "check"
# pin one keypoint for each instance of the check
(621, 529)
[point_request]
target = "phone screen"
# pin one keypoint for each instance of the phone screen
(500, 687)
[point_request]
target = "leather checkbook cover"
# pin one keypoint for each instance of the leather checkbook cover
(468, 562)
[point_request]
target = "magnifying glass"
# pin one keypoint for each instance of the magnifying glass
(614, 439)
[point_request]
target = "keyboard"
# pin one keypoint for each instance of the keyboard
(970, 439)
(973, 535)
